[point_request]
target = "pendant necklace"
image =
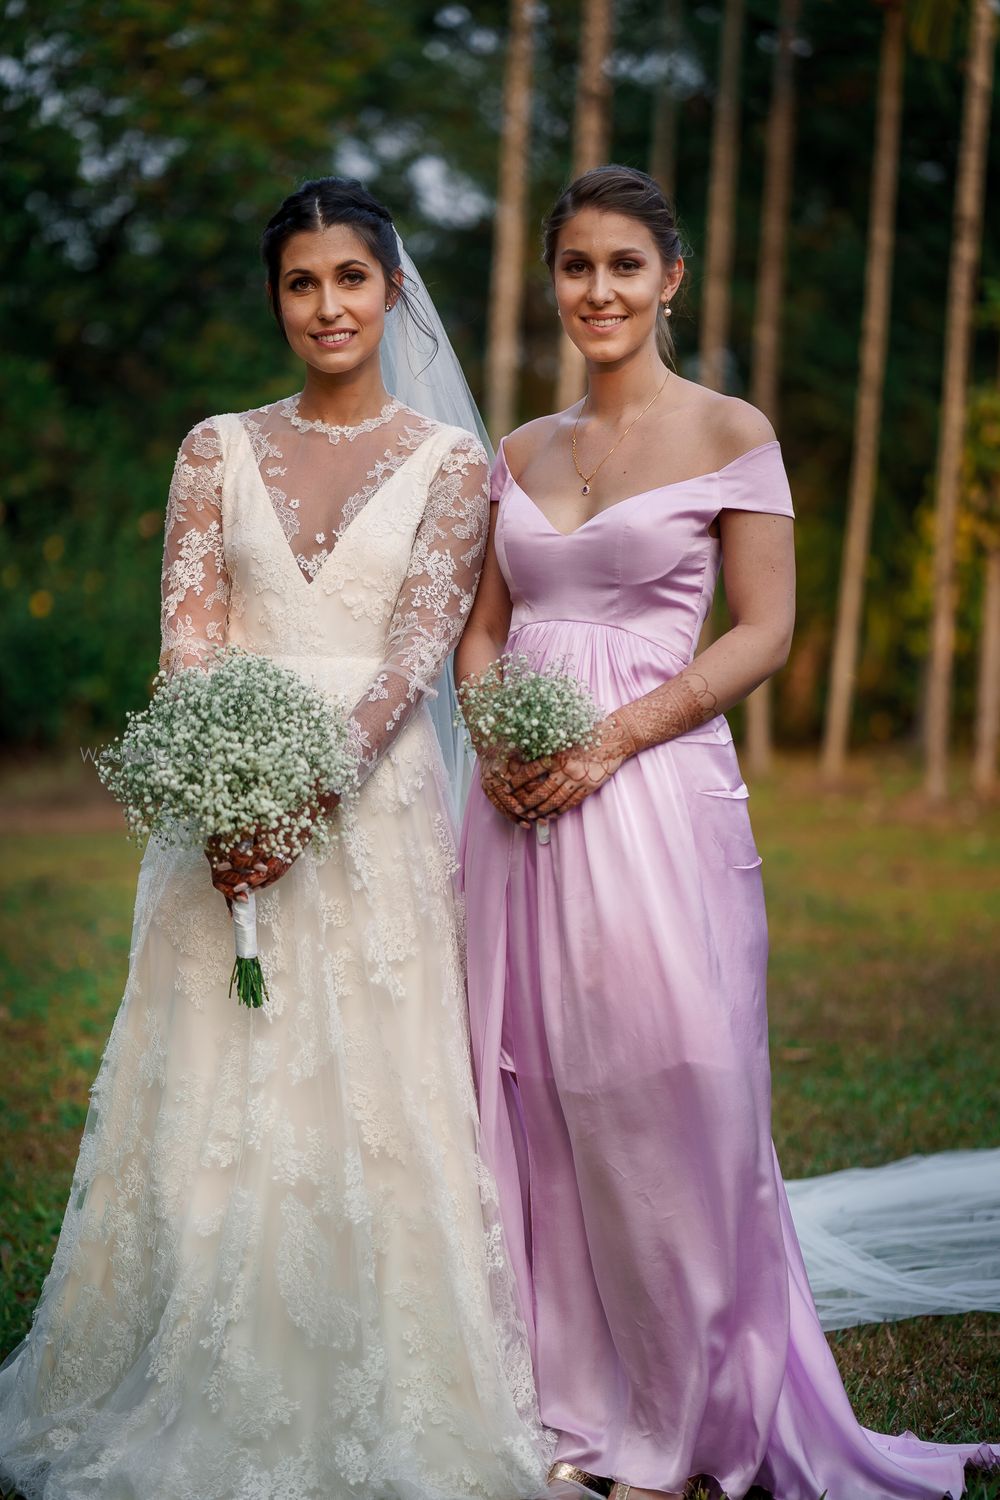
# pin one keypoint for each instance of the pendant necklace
(588, 477)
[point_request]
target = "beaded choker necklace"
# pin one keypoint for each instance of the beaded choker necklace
(335, 431)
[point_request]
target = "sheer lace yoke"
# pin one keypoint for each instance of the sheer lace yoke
(320, 477)
(398, 596)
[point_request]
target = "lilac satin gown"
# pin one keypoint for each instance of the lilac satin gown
(619, 1029)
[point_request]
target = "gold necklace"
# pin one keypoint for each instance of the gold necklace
(588, 477)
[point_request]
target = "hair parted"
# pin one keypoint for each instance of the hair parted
(615, 189)
(319, 204)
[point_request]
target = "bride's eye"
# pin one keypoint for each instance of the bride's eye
(300, 283)
(354, 278)
(629, 265)
(574, 266)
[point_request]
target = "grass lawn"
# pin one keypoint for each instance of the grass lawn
(883, 1000)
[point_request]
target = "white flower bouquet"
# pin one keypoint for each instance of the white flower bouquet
(235, 755)
(516, 709)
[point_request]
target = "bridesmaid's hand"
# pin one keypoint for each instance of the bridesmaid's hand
(557, 783)
(494, 774)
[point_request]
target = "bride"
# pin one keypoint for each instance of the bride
(280, 1274)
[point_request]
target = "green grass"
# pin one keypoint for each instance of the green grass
(882, 1003)
(65, 920)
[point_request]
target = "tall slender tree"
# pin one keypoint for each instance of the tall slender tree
(981, 496)
(987, 734)
(663, 143)
(591, 135)
(507, 273)
(778, 159)
(966, 242)
(720, 236)
(721, 217)
(871, 382)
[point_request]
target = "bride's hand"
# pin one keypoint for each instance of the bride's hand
(246, 866)
(249, 865)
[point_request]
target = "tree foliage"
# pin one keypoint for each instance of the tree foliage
(145, 143)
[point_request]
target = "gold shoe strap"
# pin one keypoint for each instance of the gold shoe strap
(573, 1475)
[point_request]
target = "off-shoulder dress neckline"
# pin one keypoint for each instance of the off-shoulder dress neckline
(640, 494)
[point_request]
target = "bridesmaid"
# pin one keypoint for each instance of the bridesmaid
(617, 973)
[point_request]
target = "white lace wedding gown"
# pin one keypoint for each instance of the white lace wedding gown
(280, 1276)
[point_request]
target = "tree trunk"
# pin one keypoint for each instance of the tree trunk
(778, 159)
(591, 132)
(984, 765)
(720, 222)
(663, 146)
(966, 241)
(507, 273)
(868, 401)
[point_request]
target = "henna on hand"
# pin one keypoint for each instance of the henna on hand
(247, 866)
(683, 703)
(251, 864)
(527, 791)
(530, 795)
(522, 772)
(493, 775)
(574, 774)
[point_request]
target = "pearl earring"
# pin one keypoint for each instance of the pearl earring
(666, 309)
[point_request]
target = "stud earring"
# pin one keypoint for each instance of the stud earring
(388, 307)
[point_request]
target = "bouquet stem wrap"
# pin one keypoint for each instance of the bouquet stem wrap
(247, 975)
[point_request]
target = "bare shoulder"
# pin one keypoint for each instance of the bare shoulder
(527, 441)
(720, 427)
(737, 427)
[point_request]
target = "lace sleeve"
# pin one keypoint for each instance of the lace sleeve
(194, 581)
(433, 603)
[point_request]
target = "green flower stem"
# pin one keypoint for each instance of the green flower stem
(248, 977)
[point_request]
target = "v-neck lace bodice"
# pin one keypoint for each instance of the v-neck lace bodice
(316, 493)
(352, 554)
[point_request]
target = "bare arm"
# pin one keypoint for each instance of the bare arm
(758, 559)
(482, 642)
(488, 625)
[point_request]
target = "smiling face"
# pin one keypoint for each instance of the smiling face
(332, 294)
(610, 280)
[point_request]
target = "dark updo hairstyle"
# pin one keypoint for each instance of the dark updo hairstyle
(321, 203)
(616, 189)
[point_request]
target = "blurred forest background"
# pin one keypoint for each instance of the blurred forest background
(830, 161)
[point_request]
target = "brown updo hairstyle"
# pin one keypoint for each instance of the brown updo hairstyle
(616, 189)
(321, 203)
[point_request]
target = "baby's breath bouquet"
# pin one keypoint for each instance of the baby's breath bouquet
(517, 709)
(238, 753)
